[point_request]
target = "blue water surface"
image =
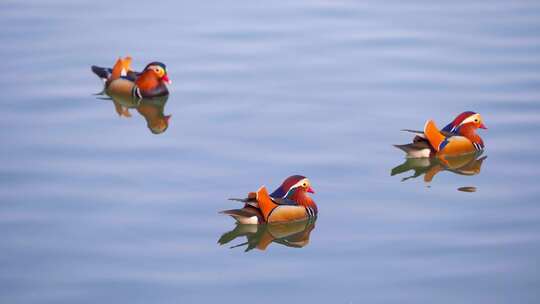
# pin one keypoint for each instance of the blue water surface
(94, 208)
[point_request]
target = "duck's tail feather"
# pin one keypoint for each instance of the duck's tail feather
(405, 148)
(238, 216)
(418, 149)
(242, 200)
(412, 131)
(246, 215)
(236, 212)
(246, 201)
(434, 136)
(251, 198)
(102, 73)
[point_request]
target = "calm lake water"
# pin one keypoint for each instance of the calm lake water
(96, 208)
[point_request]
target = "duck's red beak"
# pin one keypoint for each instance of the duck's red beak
(310, 190)
(482, 126)
(167, 117)
(166, 79)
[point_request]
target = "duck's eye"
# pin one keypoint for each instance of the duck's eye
(476, 120)
(304, 185)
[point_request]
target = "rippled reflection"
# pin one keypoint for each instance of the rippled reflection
(292, 234)
(152, 109)
(468, 164)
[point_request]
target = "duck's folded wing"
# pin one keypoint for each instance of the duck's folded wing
(417, 149)
(246, 215)
(418, 145)
(245, 212)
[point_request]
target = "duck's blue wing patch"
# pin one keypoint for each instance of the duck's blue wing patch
(450, 129)
(278, 193)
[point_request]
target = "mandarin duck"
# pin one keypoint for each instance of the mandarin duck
(289, 202)
(291, 234)
(122, 80)
(467, 164)
(456, 138)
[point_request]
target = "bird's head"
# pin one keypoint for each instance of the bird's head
(295, 182)
(466, 118)
(474, 120)
(159, 70)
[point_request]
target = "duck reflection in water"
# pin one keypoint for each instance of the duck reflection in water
(152, 109)
(467, 164)
(291, 234)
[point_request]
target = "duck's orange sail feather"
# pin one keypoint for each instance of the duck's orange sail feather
(433, 135)
(121, 67)
(266, 205)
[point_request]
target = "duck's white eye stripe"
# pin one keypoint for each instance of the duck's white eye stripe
(298, 184)
(472, 118)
